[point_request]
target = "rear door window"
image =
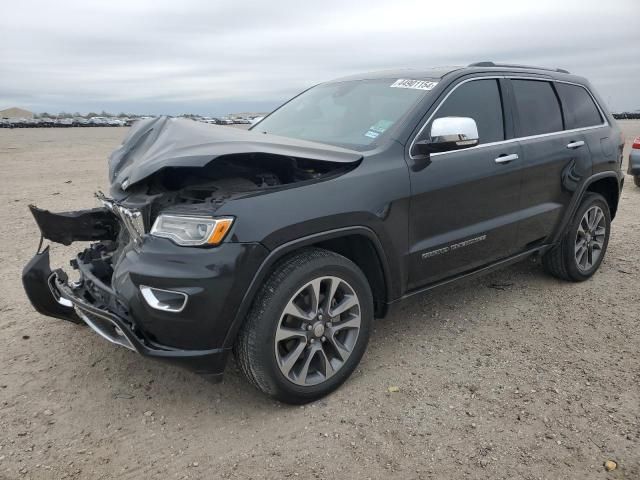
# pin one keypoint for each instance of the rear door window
(480, 100)
(579, 108)
(538, 107)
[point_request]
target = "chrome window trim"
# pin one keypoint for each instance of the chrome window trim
(517, 139)
(510, 140)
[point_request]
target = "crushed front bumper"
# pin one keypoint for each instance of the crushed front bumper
(51, 294)
(114, 300)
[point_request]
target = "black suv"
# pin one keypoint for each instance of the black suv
(282, 243)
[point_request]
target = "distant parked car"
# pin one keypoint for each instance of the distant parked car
(634, 161)
(97, 122)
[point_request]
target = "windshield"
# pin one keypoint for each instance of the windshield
(351, 114)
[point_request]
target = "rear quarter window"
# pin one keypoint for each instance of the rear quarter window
(579, 107)
(538, 107)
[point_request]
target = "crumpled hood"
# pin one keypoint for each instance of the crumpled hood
(162, 142)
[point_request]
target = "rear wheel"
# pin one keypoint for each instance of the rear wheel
(636, 180)
(583, 246)
(308, 327)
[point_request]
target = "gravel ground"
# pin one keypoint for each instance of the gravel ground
(514, 375)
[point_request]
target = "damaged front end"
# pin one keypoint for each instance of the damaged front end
(164, 274)
(144, 293)
(109, 295)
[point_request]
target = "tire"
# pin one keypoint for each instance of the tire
(266, 362)
(636, 180)
(563, 260)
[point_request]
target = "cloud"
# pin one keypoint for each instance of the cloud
(212, 57)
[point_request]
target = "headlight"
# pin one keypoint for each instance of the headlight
(190, 231)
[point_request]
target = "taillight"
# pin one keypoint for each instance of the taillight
(636, 143)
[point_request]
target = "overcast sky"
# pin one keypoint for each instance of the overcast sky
(215, 57)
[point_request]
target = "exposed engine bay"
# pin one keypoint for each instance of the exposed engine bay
(233, 176)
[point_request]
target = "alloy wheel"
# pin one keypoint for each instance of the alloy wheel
(317, 331)
(590, 238)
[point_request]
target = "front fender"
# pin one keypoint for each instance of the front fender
(392, 284)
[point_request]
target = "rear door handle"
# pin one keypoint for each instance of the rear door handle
(507, 158)
(575, 144)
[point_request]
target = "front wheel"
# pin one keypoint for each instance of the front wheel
(308, 327)
(584, 245)
(636, 180)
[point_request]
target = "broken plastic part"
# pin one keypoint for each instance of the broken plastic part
(81, 225)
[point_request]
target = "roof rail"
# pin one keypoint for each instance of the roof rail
(508, 65)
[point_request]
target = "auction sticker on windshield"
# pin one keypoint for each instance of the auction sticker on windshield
(415, 84)
(381, 126)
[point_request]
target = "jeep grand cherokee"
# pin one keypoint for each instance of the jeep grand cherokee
(283, 243)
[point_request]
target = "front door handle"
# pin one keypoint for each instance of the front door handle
(507, 158)
(575, 144)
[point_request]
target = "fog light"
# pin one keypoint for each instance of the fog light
(165, 300)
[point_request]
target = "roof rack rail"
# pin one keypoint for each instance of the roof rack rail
(508, 65)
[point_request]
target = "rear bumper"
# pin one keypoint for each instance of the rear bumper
(51, 294)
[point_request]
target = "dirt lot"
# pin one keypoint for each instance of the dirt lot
(515, 375)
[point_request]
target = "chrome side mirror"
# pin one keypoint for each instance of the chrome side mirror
(449, 133)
